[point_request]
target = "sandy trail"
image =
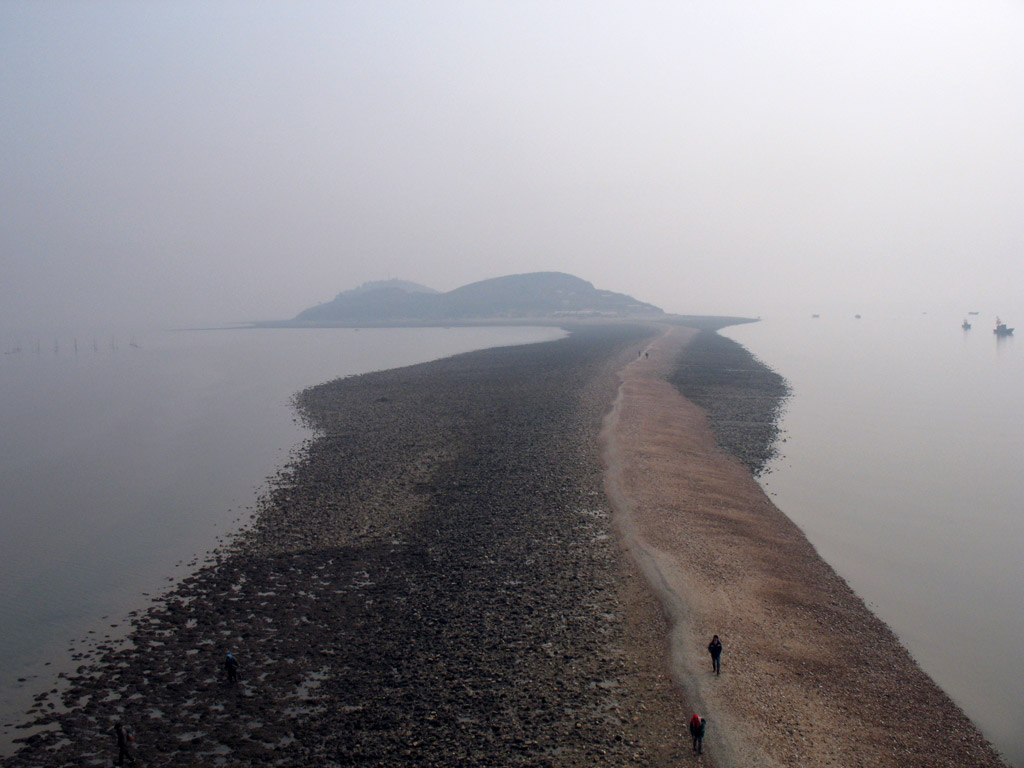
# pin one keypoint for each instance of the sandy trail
(809, 676)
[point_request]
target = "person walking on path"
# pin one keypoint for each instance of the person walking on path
(231, 667)
(697, 733)
(715, 649)
(124, 744)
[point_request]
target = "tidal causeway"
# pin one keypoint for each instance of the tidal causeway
(515, 557)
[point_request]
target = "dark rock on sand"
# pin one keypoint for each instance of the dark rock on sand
(742, 396)
(432, 582)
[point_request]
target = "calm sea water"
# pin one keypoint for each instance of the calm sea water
(119, 464)
(904, 438)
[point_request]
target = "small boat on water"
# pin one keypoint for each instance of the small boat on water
(966, 325)
(972, 313)
(1001, 329)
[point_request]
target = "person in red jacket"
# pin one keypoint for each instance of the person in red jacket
(124, 744)
(697, 733)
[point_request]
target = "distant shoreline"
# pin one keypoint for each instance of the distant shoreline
(710, 322)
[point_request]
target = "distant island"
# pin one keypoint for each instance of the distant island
(537, 296)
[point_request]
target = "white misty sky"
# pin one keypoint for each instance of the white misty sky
(181, 163)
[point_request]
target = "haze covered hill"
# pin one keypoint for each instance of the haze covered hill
(380, 285)
(515, 297)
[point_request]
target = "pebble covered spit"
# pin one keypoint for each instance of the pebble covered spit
(432, 582)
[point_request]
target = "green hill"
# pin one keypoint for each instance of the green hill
(547, 295)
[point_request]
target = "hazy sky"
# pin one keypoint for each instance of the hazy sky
(180, 163)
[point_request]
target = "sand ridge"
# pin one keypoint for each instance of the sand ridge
(809, 676)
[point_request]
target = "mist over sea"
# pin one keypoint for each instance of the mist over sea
(904, 437)
(122, 462)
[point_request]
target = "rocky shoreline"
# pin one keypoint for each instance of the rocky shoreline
(742, 396)
(433, 583)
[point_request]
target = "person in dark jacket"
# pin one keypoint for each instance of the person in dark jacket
(124, 744)
(715, 649)
(231, 667)
(697, 733)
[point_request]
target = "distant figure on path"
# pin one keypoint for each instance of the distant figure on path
(124, 744)
(697, 733)
(715, 649)
(231, 667)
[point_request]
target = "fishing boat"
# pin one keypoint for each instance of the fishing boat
(966, 325)
(1001, 329)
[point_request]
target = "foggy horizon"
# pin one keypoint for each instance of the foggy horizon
(193, 164)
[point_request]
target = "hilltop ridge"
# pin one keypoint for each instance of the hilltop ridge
(549, 295)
